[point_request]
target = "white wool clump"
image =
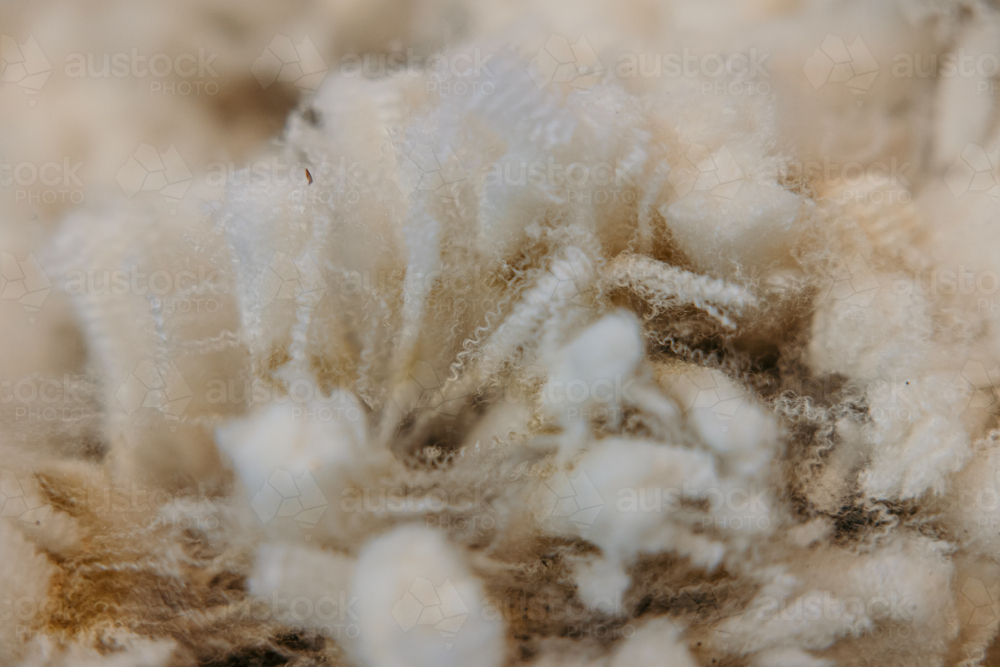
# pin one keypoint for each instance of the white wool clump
(656, 641)
(724, 204)
(306, 587)
(590, 359)
(419, 605)
(916, 436)
(626, 473)
(763, 235)
(865, 327)
(286, 452)
(652, 498)
(724, 415)
(878, 333)
(593, 371)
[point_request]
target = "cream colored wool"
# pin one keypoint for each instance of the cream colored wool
(699, 407)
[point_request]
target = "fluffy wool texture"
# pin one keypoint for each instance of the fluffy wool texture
(575, 364)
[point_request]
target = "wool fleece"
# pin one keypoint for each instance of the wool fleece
(543, 333)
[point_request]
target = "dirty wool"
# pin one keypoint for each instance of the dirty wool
(603, 334)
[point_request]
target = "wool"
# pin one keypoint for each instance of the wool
(582, 362)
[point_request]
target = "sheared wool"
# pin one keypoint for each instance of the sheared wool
(582, 365)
